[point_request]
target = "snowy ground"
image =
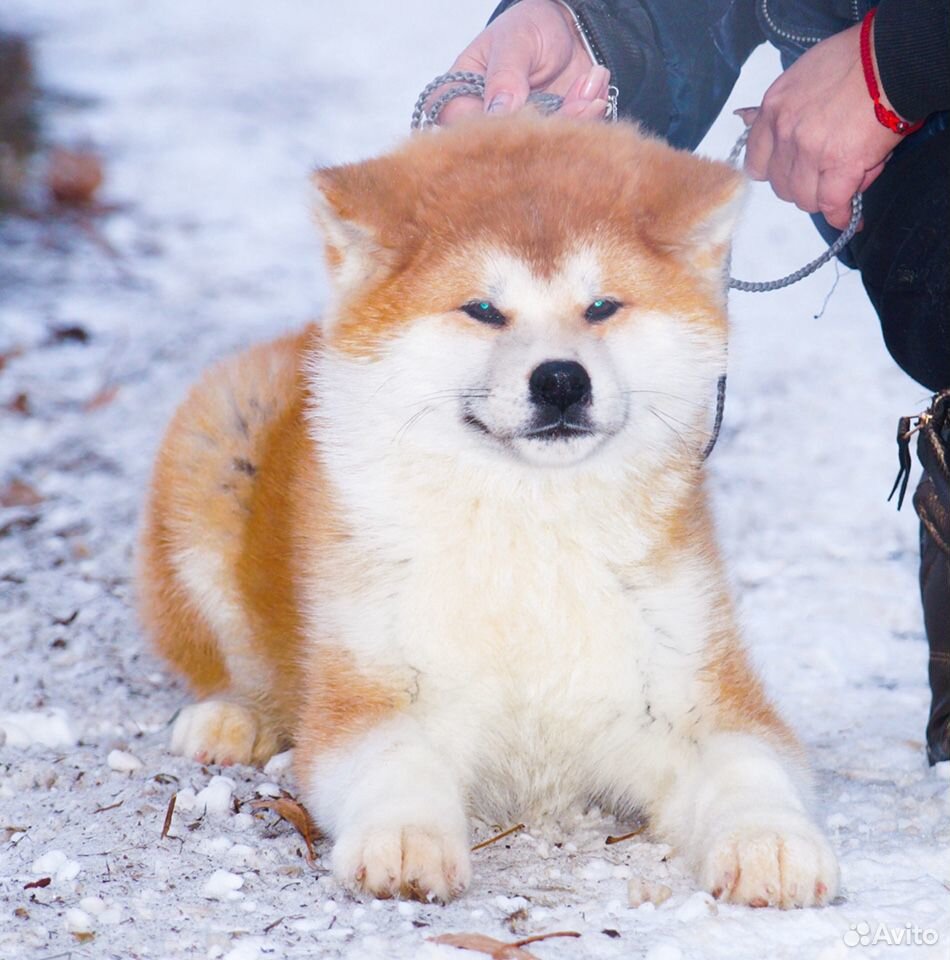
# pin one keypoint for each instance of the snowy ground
(210, 115)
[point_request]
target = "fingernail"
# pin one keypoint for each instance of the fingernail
(500, 103)
(746, 114)
(595, 80)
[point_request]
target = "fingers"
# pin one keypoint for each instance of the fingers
(759, 148)
(797, 176)
(470, 60)
(834, 193)
(458, 108)
(746, 114)
(586, 99)
(506, 74)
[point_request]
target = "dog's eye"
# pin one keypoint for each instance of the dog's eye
(601, 309)
(484, 312)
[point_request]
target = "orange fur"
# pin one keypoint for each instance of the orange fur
(632, 193)
(238, 471)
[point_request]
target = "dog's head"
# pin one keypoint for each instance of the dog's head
(530, 288)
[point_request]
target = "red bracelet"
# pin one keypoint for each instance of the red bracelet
(884, 116)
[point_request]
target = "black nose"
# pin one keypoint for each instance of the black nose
(560, 383)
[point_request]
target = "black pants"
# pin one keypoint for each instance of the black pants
(903, 254)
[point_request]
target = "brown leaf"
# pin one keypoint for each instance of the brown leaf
(84, 937)
(19, 494)
(497, 949)
(19, 404)
(68, 333)
(5, 358)
(73, 176)
(101, 398)
(38, 884)
(287, 808)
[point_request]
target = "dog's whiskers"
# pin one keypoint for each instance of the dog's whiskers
(676, 433)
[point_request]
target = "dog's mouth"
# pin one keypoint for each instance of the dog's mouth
(561, 429)
(550, 430)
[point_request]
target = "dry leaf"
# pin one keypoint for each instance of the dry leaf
(68, 333)
(296, 815)
(102, 398)
(19, 494)
(5, 358)
(19, 404)
(497, 949)
(84, 937)
(73, 176)
(38, 884)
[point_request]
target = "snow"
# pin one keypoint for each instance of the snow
(123, 762)
(222, 885)
(210, 116)
(51, 728)
(215, 799)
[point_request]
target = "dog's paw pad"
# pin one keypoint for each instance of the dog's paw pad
(412, 862)
(772, 866)
(218, 731)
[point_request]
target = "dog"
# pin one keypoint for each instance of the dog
(453, 544)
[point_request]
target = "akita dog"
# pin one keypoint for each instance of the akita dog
(454, 546)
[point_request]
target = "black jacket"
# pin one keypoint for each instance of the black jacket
(674, 62)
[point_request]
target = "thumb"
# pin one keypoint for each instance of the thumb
(506, 74)
(746, 114)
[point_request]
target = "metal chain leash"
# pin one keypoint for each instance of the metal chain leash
(473, 85)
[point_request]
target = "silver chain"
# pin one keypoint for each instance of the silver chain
(473, 85)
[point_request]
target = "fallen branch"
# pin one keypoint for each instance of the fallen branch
(168, 815)
(498, 836)
(626, 836)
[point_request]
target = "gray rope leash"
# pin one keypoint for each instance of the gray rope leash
(469, 85)
(473, 85)
(765, 286)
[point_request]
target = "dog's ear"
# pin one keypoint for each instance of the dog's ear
(699, 209)
(356, 206)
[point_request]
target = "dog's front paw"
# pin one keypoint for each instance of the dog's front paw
(781, 861)
(412, 862)
(220, 731)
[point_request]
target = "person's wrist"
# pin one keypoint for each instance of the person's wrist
(884, 112)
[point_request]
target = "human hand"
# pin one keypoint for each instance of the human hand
(532, 46)
(815, 138)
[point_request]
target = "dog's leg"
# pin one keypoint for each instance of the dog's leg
(375, 782)
(740, 814)
(394, 809)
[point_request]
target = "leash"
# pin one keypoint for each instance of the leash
(473, 85)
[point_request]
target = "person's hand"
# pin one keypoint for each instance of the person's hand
(532, 46)
(815, 138)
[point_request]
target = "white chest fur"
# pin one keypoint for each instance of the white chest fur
(546, 660)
